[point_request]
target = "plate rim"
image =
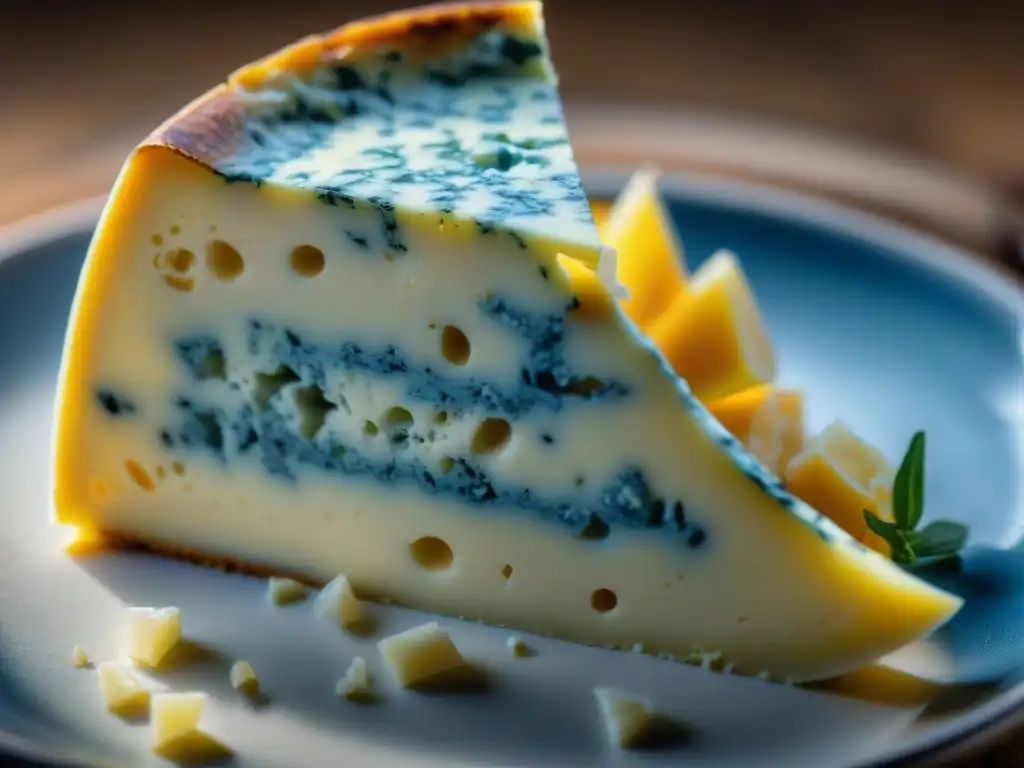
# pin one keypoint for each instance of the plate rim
(965, 734)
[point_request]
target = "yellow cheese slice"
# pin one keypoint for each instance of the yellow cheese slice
(714, 335)
(841, 476)
(769, 421)
(651, 262)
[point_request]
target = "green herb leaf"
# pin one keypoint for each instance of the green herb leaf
(899, 541)
(908, 489)
(888, 531)
(940, 539)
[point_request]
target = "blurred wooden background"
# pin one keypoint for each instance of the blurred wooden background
(933, 89)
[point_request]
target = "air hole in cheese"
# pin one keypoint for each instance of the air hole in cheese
(180, 259)
(183, 284)
(307, 260)
(432, 553)
(506, 571)
(269, 384)
(398, 416)
(603, 600)
(371, 429)
(491, 436)
(178, 468)
(139, 475)
(313, 408)
(446, 464)
(441, 417)
(223, 261)
(454, 345)
(596, 529)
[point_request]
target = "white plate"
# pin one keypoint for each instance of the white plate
(865, 318)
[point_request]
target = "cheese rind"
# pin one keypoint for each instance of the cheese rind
(438, 421)
(420, 654)
(152, 633)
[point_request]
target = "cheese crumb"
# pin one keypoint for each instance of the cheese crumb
(356, 682)
(122, 693)
(243, 678)
(175, 716)
(283, 591)
(79, 657)
(420, 653)
(152, 633)
(519, 648)
(628, 719)
(337, 602)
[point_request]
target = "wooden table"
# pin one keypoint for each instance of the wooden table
(920, 102)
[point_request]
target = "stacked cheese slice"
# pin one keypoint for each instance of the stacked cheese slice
(343, 314)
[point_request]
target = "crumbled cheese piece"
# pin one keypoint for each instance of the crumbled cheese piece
(519, 648)
(243, 678)
(638, 648)
(174, 716)
(283, 590)
(152, 633)
(420, 653)
(337, 602)
(628, 719)
(79, 657)
(356, 682)
(122, 692)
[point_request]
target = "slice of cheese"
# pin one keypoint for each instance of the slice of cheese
(714, 335)
(152, 633)
(175, 716)
(651, 262)
(122, 692)
(420, 654)
(628, 719)
(328, 295)
(842, 475)
(768, 421)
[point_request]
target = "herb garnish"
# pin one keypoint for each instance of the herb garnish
(936, 541)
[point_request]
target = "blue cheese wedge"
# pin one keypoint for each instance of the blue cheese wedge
(332, 297)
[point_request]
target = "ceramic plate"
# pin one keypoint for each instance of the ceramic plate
(888, 330)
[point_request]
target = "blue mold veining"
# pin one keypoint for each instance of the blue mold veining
(545, 380)
(626, 501)
(114, 403)
(286, 445)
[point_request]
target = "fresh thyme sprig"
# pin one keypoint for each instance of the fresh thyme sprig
(938, 540)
